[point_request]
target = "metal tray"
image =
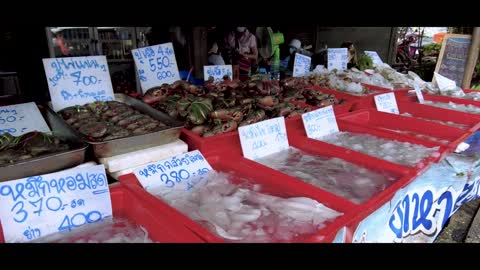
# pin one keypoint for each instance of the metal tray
(133, 143)
(51, 162)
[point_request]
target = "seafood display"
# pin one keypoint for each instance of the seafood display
(108, 230)
(345, 179)
(447, 123)
(454, 106)
(402, 153)
(27, 146)
(242, 213)
(345, 81)
(108, 120)
(217, 108)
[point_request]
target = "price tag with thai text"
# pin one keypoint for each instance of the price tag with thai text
(301, 65)
(37, 206)
(78, 80)
(320, 122)
(156, 65)
(263, 138)
(386, 103)
(217, 72)
(337, 59)
(22, 118)
(182, 172)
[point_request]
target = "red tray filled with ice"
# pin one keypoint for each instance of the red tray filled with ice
(410, 153)
(411, 127)
(239, 203)
(133, 221)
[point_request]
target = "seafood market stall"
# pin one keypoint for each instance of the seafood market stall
(332, 156)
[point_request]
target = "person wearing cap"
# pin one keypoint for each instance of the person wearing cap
(243, 51)
(293, 47)
(214, 57)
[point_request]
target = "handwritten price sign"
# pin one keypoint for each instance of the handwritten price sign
(337, 59)
(263, 138)
(301, 65)
(320, 122)
(176, 173)
(22, 118)
(386, 103)
(217, 72)
(37, 206)
(78, 80)
(156, 65)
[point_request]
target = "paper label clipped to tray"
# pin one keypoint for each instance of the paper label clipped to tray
(34, 207)
(320, 122)
(22, 118)
(78, 80)
(386, 103)
(156, 65)
(263, 138)
(217, 72)
(182, 172)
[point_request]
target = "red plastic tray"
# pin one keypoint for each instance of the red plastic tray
(160, 229)
(297, 129)
(273, 183)
(374, 119)
(409, 104)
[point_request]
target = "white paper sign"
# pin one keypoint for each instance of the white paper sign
(37, 206)
(375, 58)
(22, 118)
(182, 172)
(217, 72)
(337, 59)
(301, 65)
(156, 65)
(386, 103)
(444, 83)
(78, 80)
(320, 122)
(419, 93)
(263, 138)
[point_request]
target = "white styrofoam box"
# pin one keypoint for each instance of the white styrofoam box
(144, 156)
(115, 175)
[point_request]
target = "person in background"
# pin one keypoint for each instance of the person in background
(286, 65)
(242, 51)
(293, 48)
(352, 54)
(214, 57)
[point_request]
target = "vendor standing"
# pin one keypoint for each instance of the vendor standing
(242, 51)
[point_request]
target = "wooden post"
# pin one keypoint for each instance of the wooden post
(472, 58)
(200, 50)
